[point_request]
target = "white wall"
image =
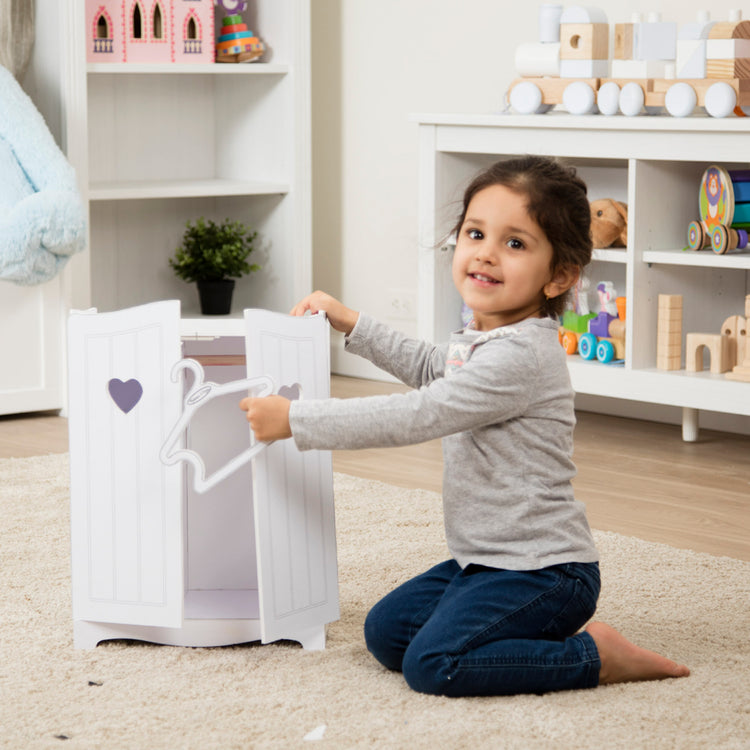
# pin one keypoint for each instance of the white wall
(374, 64)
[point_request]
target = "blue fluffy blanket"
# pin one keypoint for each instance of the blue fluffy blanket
(41, 216)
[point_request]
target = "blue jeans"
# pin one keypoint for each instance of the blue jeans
(484, 631)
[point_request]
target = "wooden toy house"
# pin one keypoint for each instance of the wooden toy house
(150, 31)
(161, 550)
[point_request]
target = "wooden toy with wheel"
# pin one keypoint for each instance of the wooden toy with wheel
(724, 205)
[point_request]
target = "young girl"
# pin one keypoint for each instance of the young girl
(503, 615)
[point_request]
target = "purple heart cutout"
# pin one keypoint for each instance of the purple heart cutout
(126, 395)
(292, 392)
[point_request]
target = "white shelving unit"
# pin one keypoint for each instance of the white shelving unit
(158, 145)
(652, 163)
(31, 334)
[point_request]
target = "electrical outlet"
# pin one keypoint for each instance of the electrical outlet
(402, 304)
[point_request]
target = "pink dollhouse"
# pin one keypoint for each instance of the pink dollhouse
(150, 31)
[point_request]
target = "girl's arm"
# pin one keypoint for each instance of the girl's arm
(415, 363)
(340, 317)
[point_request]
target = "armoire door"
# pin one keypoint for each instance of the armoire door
(126, 506)
(292, 490)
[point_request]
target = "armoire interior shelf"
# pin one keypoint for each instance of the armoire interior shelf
(654, 164)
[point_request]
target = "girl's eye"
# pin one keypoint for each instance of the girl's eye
(515, 244)
(474, 234)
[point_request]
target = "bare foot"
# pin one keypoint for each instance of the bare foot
(623, 661)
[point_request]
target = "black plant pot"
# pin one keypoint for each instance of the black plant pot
(216, 296)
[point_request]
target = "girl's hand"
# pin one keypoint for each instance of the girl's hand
(340, 317)
(269, 417)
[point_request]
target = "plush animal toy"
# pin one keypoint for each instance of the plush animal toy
(41, 215)
(609, 223)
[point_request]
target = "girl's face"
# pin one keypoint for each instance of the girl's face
(502, 265)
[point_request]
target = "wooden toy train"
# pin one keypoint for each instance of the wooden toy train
(596, 336)
(698, 67)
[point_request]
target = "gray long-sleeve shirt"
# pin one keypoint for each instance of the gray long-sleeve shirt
(503, 404)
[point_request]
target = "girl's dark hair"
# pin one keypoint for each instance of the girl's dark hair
(557, 201)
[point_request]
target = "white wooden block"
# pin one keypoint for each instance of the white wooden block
(727, 49)
(655, 41)
(694, 31)
(691, 58)
(535, 59)
(583, 14)
(584, 68)
(639, 68)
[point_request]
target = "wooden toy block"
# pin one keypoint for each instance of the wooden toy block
(584, 41)
(628, 69)
(584, 68)
(697, 30)
(669, 332)
(738, 325)
(740, 372)
(730, 30)
(673, 351)
(727, 49)
(669, 315)
(670, 301)
(656, 40)
(669, 338)
(728, 68)
(691, 58)
(719, 347)
(735, 327)
(669, 363)
(623, 41)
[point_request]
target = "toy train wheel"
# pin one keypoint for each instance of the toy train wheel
(697, 238)
(721, 99)
(570, 342)
(680, 100)
(608, 98)
(632, 99)
(526, 99)
(605, 351)
(720, 239)
(579, 98)
(587, 346)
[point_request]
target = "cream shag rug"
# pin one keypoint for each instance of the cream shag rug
(690, 606)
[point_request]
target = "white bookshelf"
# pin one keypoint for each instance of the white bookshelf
(157, 145)
(652, 163)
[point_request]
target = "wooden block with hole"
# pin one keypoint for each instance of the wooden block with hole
(584, 41)
(718, 346)
(623, 41)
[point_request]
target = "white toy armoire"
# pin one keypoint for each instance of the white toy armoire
(184, 531)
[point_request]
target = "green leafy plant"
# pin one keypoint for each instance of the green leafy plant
(214, 252)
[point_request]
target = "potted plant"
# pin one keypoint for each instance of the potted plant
(214, 255)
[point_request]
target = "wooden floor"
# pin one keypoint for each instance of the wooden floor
(636, 478)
